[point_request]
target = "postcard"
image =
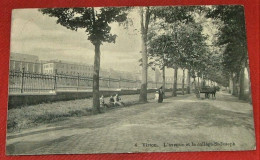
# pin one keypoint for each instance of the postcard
(128, 80)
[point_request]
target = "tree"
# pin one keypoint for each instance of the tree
(191, 42)
(190, 47)
(163, 50)
(159, 46)
(184, 37)
(233, 36)
(96, 23)
(180, 45)
(147, 14)
(174, 89)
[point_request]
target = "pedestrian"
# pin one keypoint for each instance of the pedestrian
(156, 96)
(161, 93)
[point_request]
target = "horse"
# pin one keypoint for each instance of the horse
(210, 91)
(213, 91)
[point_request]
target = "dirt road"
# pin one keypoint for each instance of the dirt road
(182, 123)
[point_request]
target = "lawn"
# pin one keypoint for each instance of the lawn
(34, 115)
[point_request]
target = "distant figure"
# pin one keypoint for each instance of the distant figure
(111, 101)
(102, 101)
(197, 92)
(160, 99)
(156, 96)
(118, 101)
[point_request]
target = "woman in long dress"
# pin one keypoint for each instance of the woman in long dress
(160, 100)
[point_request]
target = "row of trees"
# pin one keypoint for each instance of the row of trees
(176, 40)
(179, 42)
(233, 36)
(171, 37)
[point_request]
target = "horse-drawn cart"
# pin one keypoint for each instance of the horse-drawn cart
(207, 90)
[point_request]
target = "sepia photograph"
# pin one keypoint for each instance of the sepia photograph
(128, 80)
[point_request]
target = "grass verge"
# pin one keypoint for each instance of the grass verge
(34, 115)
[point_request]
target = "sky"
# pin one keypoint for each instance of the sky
(37, 34)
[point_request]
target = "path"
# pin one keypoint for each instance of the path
(181, 123)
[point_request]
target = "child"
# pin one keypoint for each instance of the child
(102, 101)
(111, 101)
(118, 101)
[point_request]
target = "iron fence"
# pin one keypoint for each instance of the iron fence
(22, 82)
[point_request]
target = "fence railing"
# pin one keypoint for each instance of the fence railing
(22, 81)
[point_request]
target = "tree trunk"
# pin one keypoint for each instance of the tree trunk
(174, 90)
(188, 82)
(230, 84)
(241, 82)
(198, 81)
(194, 82)
(143, 91)
(163, 76)
(183, 80)
(202, 81)
(144, 30)
(234, 85)
(96, 103)
(249, 84)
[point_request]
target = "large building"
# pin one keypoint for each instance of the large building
(69, 68)
(29, 63)
(32, 64)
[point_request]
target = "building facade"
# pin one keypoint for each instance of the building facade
(30, 63)
(67, 68)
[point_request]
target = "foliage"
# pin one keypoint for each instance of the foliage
(182, 45)
(232, 35)
(180, 41)
(94, 21)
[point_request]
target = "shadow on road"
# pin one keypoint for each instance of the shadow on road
(204, 114)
